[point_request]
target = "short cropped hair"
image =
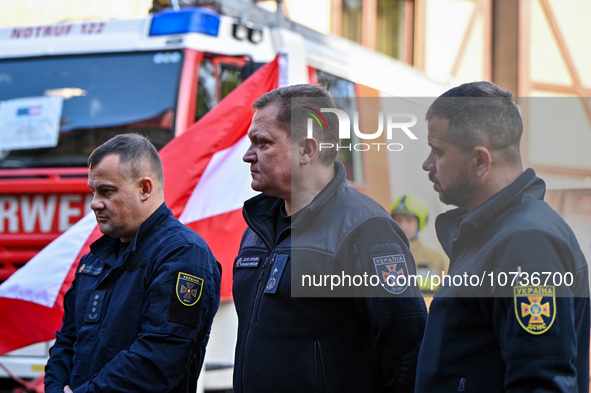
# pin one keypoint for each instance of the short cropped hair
(136, 154)
(480, 114)
(302, 98)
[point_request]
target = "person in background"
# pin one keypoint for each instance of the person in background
(514, 317)
(138, 315)
(411, 212)
(307, 214)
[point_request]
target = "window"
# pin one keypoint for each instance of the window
(390, 28)
(103, 95)
(218, 76)
(351, 20)
(378, 25)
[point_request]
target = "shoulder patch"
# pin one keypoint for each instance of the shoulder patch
(535, 307)
(188, 289)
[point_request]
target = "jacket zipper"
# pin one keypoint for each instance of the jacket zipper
(320, 378)
(258, 297)
(259, 293)
(253, 314)
(462, 385)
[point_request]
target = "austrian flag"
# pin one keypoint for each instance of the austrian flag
(206, 184)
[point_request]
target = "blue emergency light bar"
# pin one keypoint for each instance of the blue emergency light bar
(186, 20)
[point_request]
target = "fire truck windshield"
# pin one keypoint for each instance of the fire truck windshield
(101, 95)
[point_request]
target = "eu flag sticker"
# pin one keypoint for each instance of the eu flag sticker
(188, 289)
(34, 110)
(535, 307)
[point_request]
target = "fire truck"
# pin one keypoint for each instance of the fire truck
(68, 87)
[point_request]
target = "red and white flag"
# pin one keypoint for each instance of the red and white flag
(206, 184)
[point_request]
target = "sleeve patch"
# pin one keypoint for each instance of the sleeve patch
(188, 289)
(185, 305)
(535, 308)
(390, 267)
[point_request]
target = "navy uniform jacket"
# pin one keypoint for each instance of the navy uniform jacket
(322, 344)
(531, 336)
(138, 321)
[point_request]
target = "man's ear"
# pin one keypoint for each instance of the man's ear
(482, 159)
(308, 150)
(146, 188)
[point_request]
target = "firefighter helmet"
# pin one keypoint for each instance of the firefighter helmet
(414, 205)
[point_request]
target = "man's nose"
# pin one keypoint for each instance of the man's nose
(428, 163)
(96, 203)
(249, 156)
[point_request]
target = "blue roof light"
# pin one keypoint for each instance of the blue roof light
(186, 20)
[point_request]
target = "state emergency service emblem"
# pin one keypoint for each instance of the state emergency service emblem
(392, 272)
(188, 289)
(535, 307)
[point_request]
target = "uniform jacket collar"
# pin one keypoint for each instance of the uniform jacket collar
(260, 212)
(104, 248)
(460, 223)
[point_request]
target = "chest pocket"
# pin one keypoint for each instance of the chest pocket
(123, 308)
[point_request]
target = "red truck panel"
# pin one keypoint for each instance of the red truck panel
(36, 206)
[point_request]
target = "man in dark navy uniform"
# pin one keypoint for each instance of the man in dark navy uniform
(307, 217)
(138, 314)
(513, 315)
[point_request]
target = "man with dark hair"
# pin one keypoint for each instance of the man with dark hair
(520, 323)
(296, 120)
(307, 217)
(138, 314)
